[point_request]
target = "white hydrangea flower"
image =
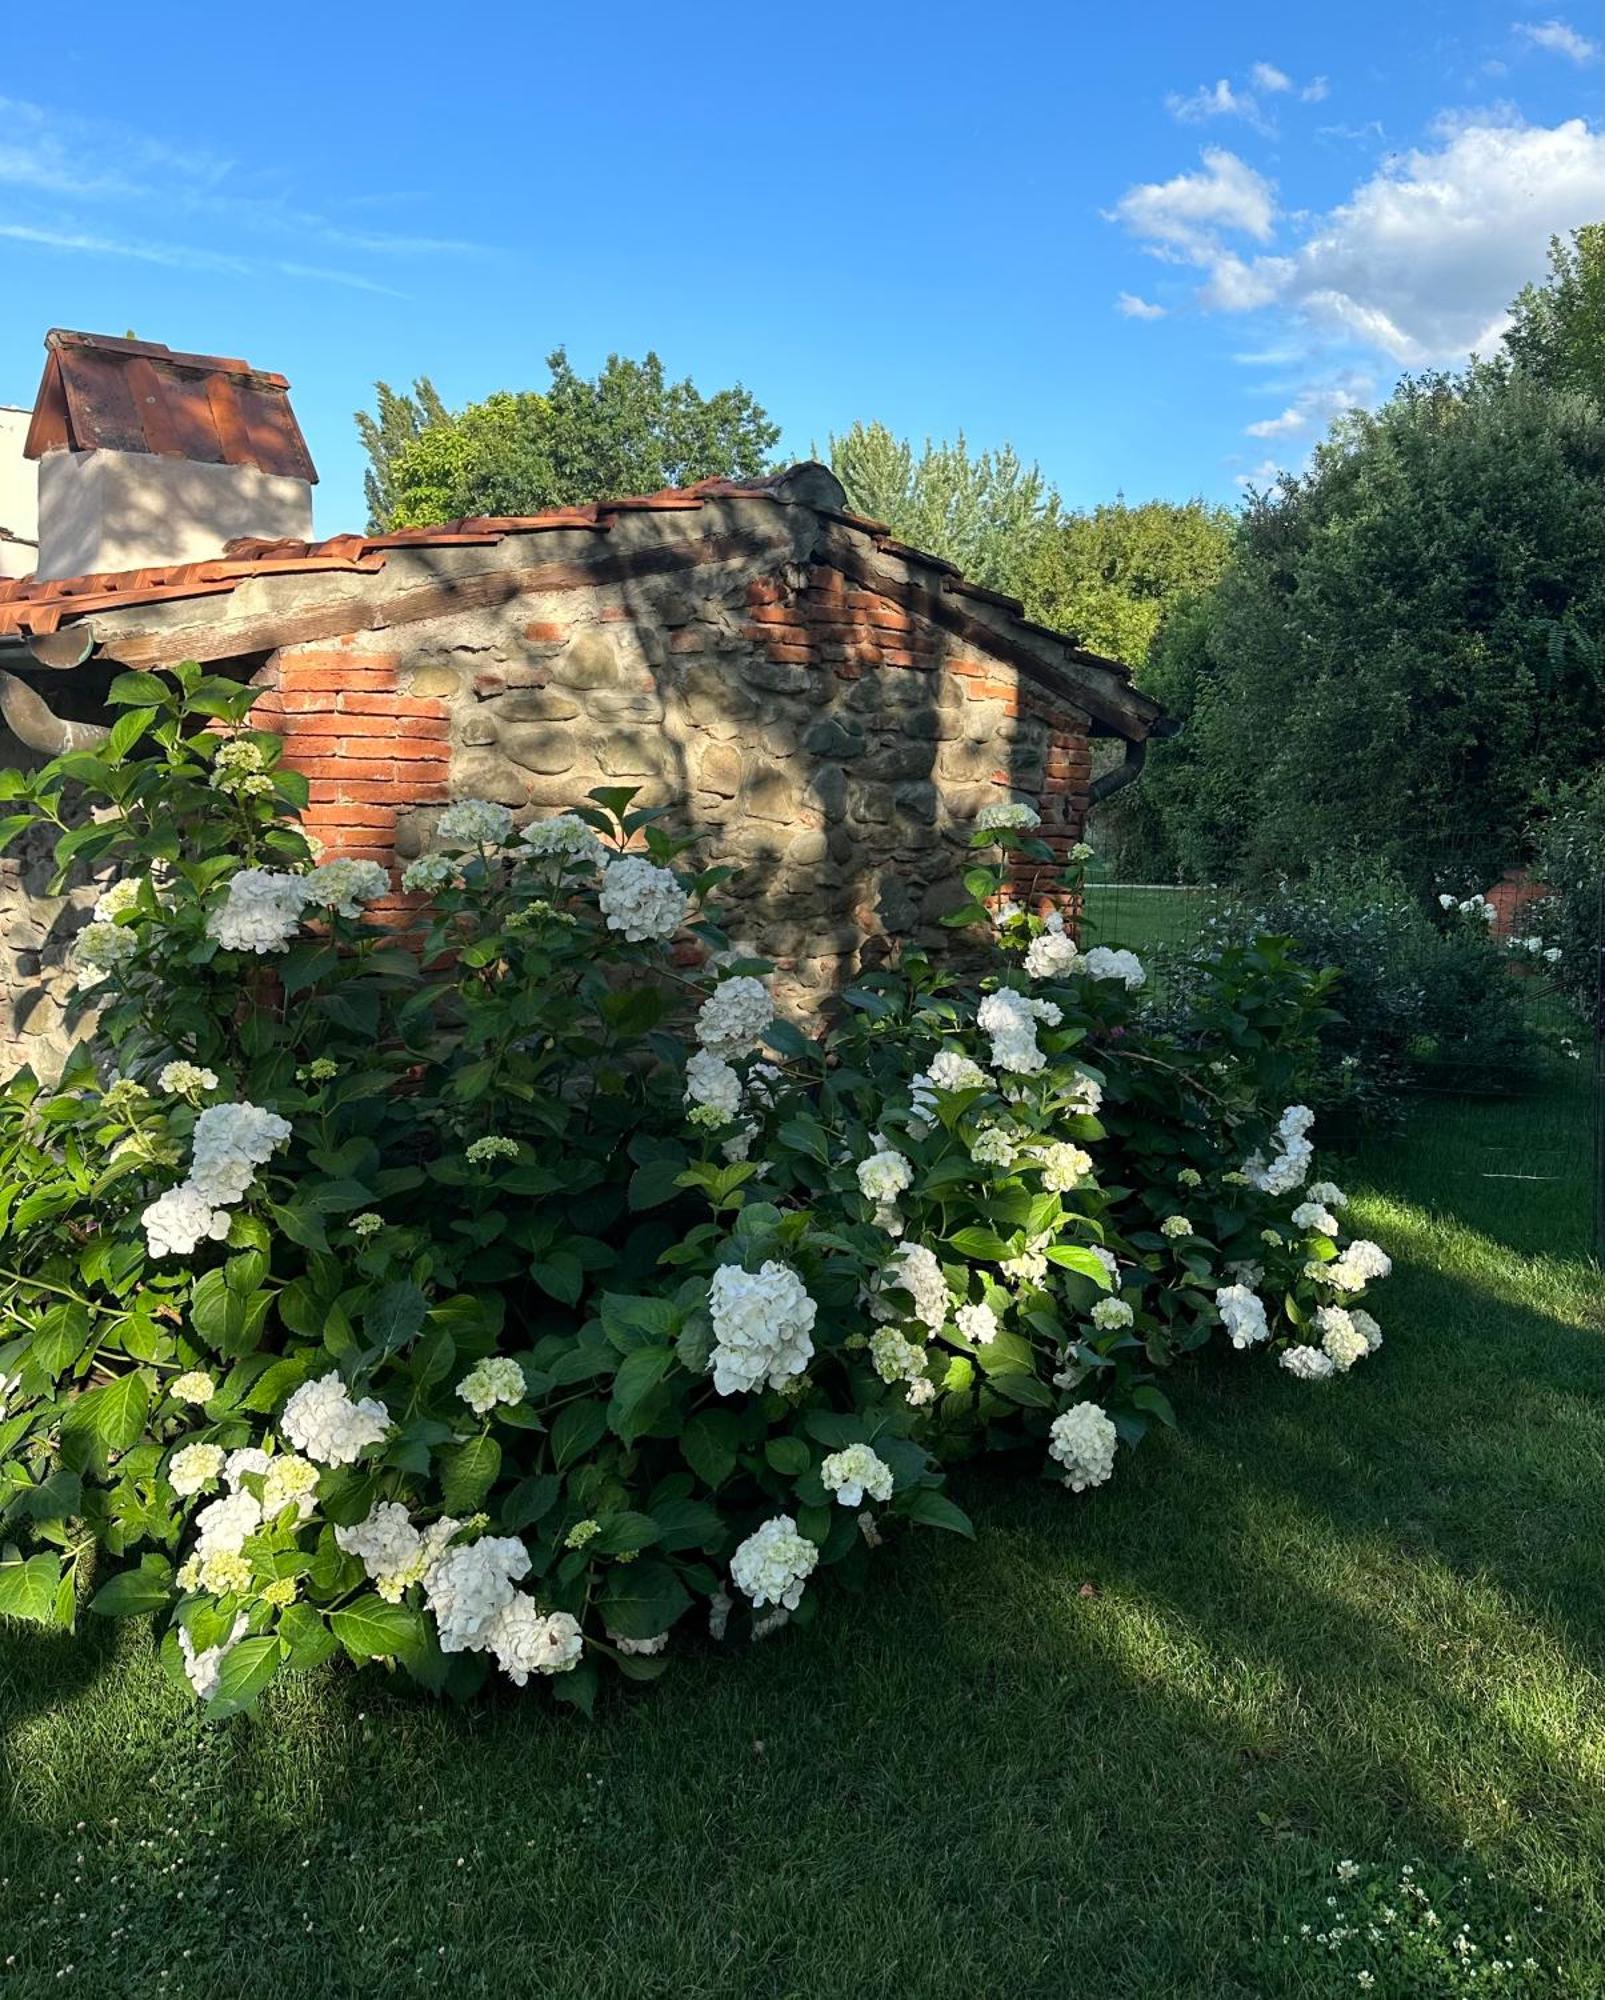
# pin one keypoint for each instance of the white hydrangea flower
(224, 1526)
(249, 1458)
(1291, 1160)
(1111, 1314)
(527, 1641)
(1366, 1327)
(185, 1079)
(116, 899)
(193, 1468)
(1318, 1221)
(480, 1152)
(733, 1018)
(344, 886)
(100, 950)
(231, 1141)
(894, 1358)
(1242, 1313)
(431, 872)
(762, 1327)
(1328, 1193)
(179, 1220)
(977, 1323)
(474, 823)
(1109, 1261)
(262, 912)
(1083, 1441)
(203, 1670)
(1084, 1095)
(642, 901)
(711, 1083)
(1009, 1021)
(496, 1379)
(468, 1586)
(855, 1471)
(321, 1420)
(884, 1175)
(1030, 1266)
(992, 1146)
(1012, 815)
(773, 1563)
(949, 1070)
(1102, 963)
(1175, 1226)
(1359, 1265)
(193, 1386)
(1341, 1340)
(1064, 1167)
(288, 1479)
(1309, 1364)
(563, 835)
(394, 1553)
(915, 1270)
(1052, 954)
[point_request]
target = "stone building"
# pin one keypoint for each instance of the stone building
(827, 707)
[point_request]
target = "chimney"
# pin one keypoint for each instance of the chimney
(19, 505)
(147, 457)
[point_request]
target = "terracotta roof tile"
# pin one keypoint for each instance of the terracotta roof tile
(100, 394)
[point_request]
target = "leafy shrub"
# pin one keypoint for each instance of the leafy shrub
(1421, 996)
(355, 1276)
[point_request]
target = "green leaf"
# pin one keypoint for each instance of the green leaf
(983, 1243)
(642, 1599)
(708, 1446)
(395, 1315)
(246, 1669)
(308, 1642)
(576, 1429)
(934, 1510)
(114, 1413)
(639, 1374)
(28, 1589)
(788, 1455)
(561, 1274)
(1156, 1402)
(468, 1473)
(656, 1182)
(371, 1629)
(1072, 1257)
(139, 691)
(629, 1321)
(687, 1524)
(531, 1500)
(624, 1533)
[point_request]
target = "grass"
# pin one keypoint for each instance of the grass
(1115, 1747)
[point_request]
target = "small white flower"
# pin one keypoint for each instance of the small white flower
(480, 1152)
(526, 1641)
(773, 1563)
(1083, 1441)
(1341, 1340)
(321, 1420)
(1242, 1313)
(185, 1079)
(1064, 1167)
(734, 1017)
(855, 1471)
(193, 1386)
(193, 1468)
(642, 901)
(474, 823)
(712, 1086)
(177, 1221)
(344, 886)
(262, 912)
(1175, 1226)
(762, 1327)
(1012, 815)
(430, 873)
(1309, 1364)
(496, 1379)
(230, 1142)
(1109, 1315)
(1124, 966)
(563, 835)
(914, 1269)
(468, 1586)
(204, 1669)
(977, 1323)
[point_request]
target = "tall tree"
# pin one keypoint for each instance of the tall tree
(628, 430)
(1557, 330)
(1113, 575)
(398, 420)
(991, 514)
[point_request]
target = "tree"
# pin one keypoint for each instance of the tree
(627, 431)
(1557, 331)
(1114, 575)
(400, 421)
(993, 515)
(1376, 674)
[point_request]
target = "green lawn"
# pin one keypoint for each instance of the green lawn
(1115, 1747)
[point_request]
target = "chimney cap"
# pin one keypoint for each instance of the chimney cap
(99, 393)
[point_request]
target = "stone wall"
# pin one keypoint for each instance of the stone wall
(818, 736)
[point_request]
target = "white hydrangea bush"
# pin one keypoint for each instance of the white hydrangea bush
(495, 1283)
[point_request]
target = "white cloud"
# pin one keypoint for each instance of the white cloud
(1558, 38)
(1314, 407)
(1422, 258)
(1217, 100)
(1137, 308)
(1269, 78)
(1261, 475)
(1315, 90)
(1182, 219)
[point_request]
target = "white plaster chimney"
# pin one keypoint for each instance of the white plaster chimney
(146, 457)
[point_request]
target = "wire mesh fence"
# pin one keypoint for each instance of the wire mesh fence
(1494, 1019)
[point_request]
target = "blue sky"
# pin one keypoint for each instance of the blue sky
(1153, 247)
